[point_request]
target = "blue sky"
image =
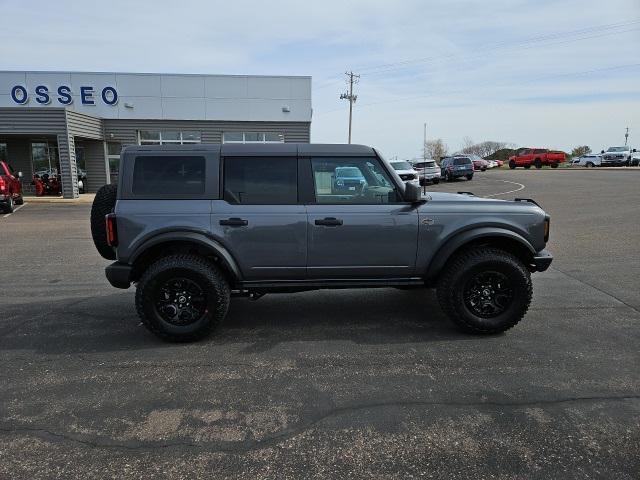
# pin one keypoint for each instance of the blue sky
(538, 73)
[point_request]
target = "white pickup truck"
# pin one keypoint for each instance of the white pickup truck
(620, 156)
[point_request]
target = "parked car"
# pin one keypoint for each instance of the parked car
(10, 187)
(499, 162)
(536, 157)
(492, 163)
(272, 225)
(456, 167)
(589, 160)
(428, 171)
(479, 164)
(348, 179)
(619, 157)
(406, 172)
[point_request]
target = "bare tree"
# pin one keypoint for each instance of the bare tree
(436, 149)
(482, 149)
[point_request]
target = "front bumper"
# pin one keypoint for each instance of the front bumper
(119, 274)
(542, 260)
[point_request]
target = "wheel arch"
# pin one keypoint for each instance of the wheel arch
(504, 239)
(170, 243)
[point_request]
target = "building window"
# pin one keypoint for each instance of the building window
(113, 156)
(155, 137)
(252, 137)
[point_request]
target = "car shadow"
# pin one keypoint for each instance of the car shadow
(360, 316)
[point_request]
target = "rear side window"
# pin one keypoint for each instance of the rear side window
(168, 175)
(261, 180)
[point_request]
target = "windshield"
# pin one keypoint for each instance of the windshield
(401, 165)
(618, 149)
(348, 172)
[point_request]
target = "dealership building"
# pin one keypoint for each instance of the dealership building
(70, 121)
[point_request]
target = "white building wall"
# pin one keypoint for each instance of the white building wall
(171, 96)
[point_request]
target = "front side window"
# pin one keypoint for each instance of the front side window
(352, 181)
(261, 180)
(169, 175)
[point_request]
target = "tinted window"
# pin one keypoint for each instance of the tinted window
(367, 182)
(461, 161)
(261, 180)
(168, 175)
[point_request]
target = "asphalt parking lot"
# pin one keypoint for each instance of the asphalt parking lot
(343, 384)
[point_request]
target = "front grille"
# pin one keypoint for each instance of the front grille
(408, 176)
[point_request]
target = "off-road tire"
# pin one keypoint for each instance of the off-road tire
(103, 204)
(195, 268)
(469, 177)
(20, 200)
(512, 165)
(554, 165)
(462, 269)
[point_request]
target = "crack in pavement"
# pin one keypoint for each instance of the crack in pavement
(94, 441)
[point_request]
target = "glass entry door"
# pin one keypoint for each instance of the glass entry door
(44, 158)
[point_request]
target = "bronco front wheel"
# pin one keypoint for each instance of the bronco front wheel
(485, 290)
(182, 298)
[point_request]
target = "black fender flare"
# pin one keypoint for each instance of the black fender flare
(209, 244)
(452, 244)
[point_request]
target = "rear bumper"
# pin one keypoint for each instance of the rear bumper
(542, 260)
(119, 274)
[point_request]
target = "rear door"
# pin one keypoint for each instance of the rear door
(260, 219)
(365, 232)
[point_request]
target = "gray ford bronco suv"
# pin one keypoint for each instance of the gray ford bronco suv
(193, 225)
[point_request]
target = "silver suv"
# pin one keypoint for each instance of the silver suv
(192, 226)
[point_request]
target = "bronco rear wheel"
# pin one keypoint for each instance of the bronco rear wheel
(182, 298)
(485, 290)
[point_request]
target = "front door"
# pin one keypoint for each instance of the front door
(358, 224)
(260, 219)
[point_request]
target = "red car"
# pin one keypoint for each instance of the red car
(536, 157)
(10, 187)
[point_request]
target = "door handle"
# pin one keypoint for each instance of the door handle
(329, 222)
(234, 222)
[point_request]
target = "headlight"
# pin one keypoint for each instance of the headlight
(340, 183)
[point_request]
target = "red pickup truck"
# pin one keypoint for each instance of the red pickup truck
(10, 188)
(536, 157)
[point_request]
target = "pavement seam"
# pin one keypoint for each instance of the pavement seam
(286, 434)
(597, 288)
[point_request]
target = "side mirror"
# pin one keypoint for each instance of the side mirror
(412, 192)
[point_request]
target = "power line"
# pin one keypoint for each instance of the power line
(524, 42)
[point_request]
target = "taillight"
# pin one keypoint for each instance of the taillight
(547, 221)
(3, 185)
(112, 229)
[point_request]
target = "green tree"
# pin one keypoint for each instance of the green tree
(581, 150)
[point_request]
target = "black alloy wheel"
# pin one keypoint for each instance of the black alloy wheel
(488, 294)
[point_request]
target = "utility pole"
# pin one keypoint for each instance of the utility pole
(353, 78)
(626, 137)
(424, 143)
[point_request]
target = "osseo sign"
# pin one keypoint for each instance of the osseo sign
(64, 95)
